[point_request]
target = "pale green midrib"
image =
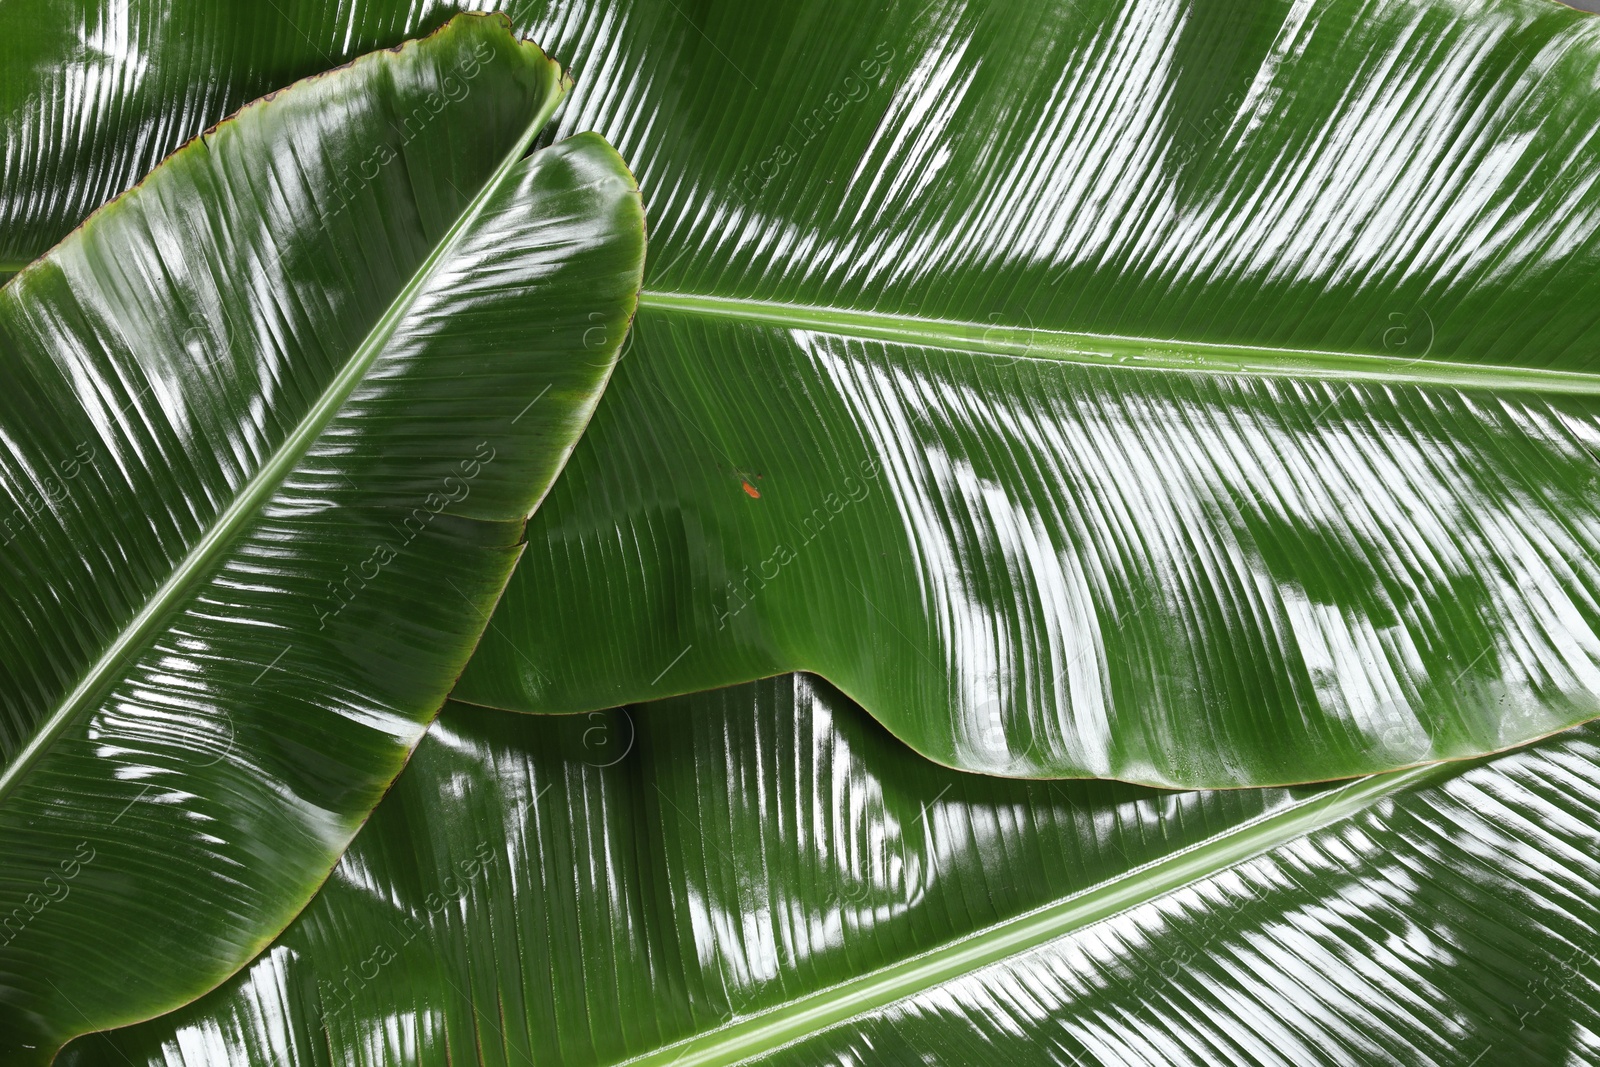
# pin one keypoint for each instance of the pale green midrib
(1128, 353)
(265, 481)
(739, 1041)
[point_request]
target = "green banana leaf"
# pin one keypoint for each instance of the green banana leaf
(1194, 394)
(273, 424)
(1190, 393)
(763, 875)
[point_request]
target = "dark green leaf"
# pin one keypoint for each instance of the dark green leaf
(1222, 371)
(273, 423)
(1196, 395)
(705, 880)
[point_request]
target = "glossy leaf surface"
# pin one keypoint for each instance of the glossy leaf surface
(273, 423)
(704, 880)
(1192, 394)
(95, 93)
(1222, 373)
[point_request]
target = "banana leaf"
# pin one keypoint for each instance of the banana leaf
(273, 424)
(1440, 915)
(763, 875)
(1198, 394)
(1193, 394)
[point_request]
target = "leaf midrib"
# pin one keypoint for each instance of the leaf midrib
(259, 488)
(740, 1041)
(1125, 353)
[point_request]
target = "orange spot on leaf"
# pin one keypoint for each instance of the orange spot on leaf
(752, 491)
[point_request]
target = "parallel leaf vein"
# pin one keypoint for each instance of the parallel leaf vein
(747, 1038)
(254, 494)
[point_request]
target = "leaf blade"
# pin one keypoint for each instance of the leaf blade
(1328, 510)
(719, 879)
(1409, 183)
(262, 659)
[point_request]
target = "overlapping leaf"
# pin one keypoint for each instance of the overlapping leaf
(1213, 383)
(708, 879)
(273, 425)
(1196, 395)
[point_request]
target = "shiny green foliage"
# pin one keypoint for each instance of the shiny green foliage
(703, 880)
(1200, 395)
(1196, 393)
(274, 422)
